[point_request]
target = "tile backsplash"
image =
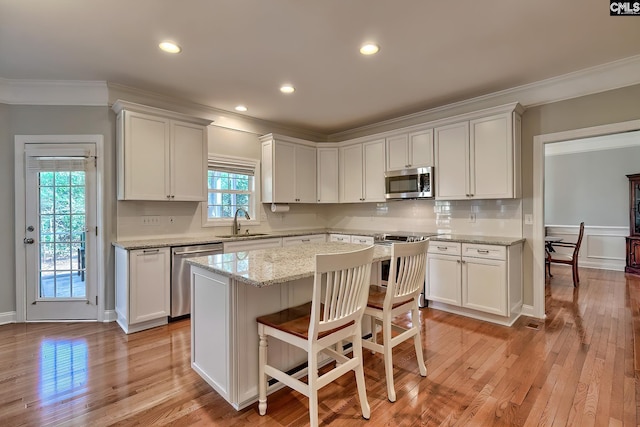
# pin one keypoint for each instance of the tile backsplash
(477, 217)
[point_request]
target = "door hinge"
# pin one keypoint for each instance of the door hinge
(96, 299)
(96, 231)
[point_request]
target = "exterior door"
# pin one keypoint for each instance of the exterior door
(60, 242)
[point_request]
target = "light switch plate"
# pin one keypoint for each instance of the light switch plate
(528, 219)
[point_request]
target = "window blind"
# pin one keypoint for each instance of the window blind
(232, 165)
(59, 164)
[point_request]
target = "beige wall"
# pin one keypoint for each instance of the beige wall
(613, 106)
(7, 251)
(50, 120)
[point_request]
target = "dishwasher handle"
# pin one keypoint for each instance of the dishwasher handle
(200, 251)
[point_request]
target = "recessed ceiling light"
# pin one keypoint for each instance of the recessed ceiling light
(287, 88)
(241, 108)
(170, 47)
(369, 49)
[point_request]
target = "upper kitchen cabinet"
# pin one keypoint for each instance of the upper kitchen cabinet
(410, 150)
(328, 190)
(162, 155)
(479, 158)
(288, 170)
(362, 172)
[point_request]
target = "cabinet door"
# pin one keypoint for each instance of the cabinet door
(398, 152)
(327, 173)
(443, 279)
(373, 155)
(305, 166)
(188, 162)
(452, 161)
(491, 154)
(284, 172)
(145, 153)
(484, 285)
(351, 173)
(421, 149)
(149, 284)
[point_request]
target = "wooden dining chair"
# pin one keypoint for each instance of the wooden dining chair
(406, 280)
(568, 259)
(334, 315)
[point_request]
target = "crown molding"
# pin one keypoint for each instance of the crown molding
(597, 143)
(53, 92)
(613, 75)
(601, 78)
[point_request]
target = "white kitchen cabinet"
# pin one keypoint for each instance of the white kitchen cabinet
(251, 244)
(327, 172)
(410, 150)
(288, 170)
(347, 238)
(443, 273)
(299, 240)
(161, 155)
(142, 288)
(362, 172)
(479, 158)
(476, 280)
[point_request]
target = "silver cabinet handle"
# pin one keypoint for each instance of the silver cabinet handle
(443, 248)
(150, 251)
(483, 251)
(305, 240)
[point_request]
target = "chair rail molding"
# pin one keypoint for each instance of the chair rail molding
(603, 247)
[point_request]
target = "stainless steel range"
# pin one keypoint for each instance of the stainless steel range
(389, 239)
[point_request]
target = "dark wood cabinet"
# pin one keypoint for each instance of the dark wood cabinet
(633, 241)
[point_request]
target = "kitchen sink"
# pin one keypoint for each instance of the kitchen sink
(242, 235)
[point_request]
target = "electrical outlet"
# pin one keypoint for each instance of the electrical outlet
(472, 217)
(151, 220)
(171, 220)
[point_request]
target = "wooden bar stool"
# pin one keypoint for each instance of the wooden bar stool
(340, 289)
(406, 280)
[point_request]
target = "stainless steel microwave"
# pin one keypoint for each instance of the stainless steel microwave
(414, 183)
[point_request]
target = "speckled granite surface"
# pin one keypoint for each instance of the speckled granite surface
(200, 240)
(265, 267)
(484, 240)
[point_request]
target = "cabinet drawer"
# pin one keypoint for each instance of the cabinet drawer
(484, 251)
(344, 238)
(298, 240)
(362, 240)
(448, 248)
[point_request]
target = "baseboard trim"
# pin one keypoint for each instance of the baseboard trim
(8, 317)
(527, 310)
(109, 316)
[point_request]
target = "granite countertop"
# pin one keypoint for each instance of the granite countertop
(265, 267)
(206, 239)
(484, 240)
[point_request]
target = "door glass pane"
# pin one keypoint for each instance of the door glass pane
(62, 213)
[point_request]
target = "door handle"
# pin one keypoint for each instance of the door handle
(28, 241)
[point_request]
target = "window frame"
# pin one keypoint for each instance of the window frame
(254, 208)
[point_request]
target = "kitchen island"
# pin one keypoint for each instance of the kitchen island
(229, 291)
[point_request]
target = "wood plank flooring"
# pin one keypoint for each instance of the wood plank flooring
(575, 368)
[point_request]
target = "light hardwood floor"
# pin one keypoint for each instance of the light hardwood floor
(576, 368)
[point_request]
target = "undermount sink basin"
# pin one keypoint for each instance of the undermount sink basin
(242, 235)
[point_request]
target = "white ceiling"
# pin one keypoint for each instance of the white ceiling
(240, 51)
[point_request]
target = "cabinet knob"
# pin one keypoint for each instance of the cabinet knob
(168, 196)
(173, 196)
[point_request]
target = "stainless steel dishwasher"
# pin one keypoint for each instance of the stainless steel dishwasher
(181, 275)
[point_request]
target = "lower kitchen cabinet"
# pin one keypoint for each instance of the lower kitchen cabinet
(476, 280)
(298, 240)
(142, 288)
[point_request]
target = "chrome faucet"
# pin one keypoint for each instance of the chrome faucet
(236, 225)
